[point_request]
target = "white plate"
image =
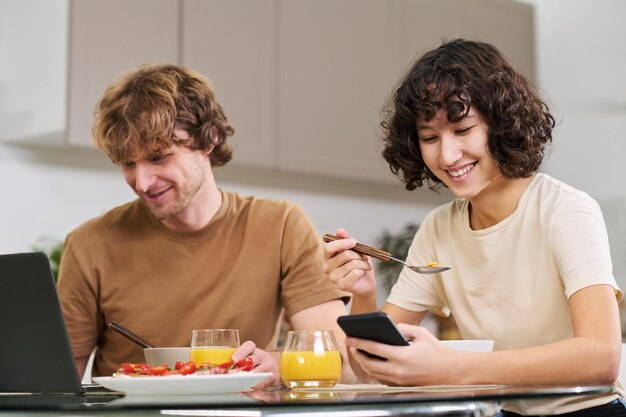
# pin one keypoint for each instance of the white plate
(167, 400)
(183, 384)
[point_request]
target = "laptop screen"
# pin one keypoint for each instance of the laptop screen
(35, 353)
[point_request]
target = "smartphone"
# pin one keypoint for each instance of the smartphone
(372, 326)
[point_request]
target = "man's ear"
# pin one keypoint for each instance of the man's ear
(215, 137)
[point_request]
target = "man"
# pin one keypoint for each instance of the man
(186, 255)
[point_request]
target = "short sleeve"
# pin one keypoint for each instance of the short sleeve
(580, 244)
(415, 292)
(303, 282)
(78, 301)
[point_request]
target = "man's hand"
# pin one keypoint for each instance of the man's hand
(263, 362)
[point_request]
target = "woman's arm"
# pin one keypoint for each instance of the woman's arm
(590, 357)
(401, 315)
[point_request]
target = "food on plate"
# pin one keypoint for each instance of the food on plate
(184, 368)
(141, 369)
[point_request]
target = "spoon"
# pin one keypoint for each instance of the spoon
(129, 335)
(386, 256)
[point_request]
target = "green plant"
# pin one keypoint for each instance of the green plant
(53, 248)
(398, 244)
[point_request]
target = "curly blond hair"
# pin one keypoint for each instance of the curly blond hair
(138, 113)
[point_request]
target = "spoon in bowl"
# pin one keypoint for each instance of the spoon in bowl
(386, 256)
(129, 335)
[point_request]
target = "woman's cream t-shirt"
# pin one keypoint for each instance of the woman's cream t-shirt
(511, 282)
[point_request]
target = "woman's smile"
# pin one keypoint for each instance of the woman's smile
(457, 152)
(461, 173)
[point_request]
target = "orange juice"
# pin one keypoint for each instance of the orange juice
(300, 369)
(214, 355)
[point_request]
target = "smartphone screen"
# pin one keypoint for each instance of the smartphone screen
(372, 326)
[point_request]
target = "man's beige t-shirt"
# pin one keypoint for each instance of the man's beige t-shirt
(253, 259)
(511, 282)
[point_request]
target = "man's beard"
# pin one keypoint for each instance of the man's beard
(182, 201)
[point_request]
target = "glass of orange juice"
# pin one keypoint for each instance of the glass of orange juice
(310, 359)
(214, 346)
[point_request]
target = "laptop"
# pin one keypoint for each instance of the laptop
(35, 352)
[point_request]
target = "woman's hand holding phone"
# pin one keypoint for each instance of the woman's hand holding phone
(402, 355)
(425, 361)
(376, 326)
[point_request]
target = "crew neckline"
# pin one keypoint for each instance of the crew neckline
(163, 230)
(507, 219)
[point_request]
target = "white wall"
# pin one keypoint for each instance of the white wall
(581, 59)
(46, 199)
(581, 56)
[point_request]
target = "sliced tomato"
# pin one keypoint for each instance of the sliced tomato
(142, 368)
(127, 368)
(227, 365)
(205, 366)
(158, 370)
(187, 368)
(135, 369)
(178, 365)
(245, 364)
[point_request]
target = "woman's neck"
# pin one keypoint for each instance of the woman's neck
(497, 202)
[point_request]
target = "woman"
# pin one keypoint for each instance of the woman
(531, 267)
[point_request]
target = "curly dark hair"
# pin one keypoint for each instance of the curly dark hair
(455, 76)
(138, 113)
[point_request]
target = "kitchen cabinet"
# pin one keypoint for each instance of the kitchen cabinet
(425, 24)
(107, 38)
(338, 64)
(302, 81)
(508, 25)
(233, 43)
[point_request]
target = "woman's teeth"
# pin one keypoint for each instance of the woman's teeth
(462, 171)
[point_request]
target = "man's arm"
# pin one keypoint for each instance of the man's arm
(78, 304)
(322, 317)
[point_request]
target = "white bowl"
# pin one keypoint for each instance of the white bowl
(469, 345)
(166, 356)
